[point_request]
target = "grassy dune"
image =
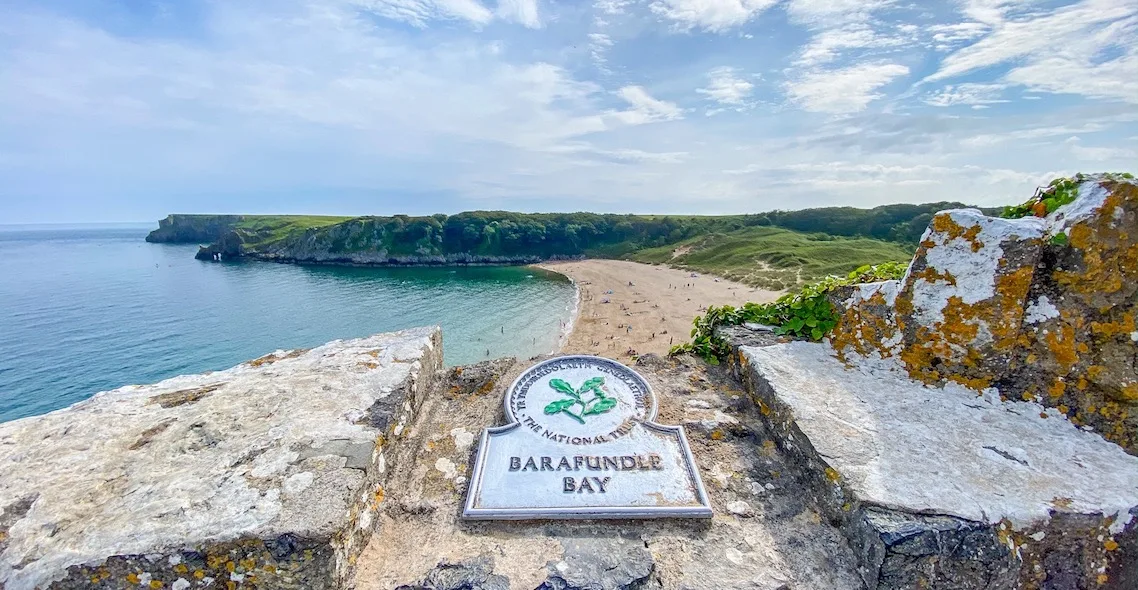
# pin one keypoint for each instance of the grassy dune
(773, 258)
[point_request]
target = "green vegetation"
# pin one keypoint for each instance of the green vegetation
(1059, 192)
(266, 229)
(897, 223)
(805, 314)
(774, 258)
(537, 235)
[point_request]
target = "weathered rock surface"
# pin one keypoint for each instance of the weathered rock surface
(1042, 308)
(779, 540)
(267, 474)
(191, 229)
(940, 487)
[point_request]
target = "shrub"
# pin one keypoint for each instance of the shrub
(806, 314)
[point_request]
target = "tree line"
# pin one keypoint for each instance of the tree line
(504, 233)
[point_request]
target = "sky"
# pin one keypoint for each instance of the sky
(116, 110)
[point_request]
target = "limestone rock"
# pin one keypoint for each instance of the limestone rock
(962, 301)
(271, 471)
(1078, 350)
(1044, 309)
(599, 564)
(787, 546)
(886, 451)
(470, 574)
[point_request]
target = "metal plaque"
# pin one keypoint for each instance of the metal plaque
(581, 444)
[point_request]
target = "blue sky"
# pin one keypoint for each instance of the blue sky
(115, 110)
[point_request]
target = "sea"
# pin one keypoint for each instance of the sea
(85, 309)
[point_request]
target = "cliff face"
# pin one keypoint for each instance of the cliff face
(190, 229)
(362, 241)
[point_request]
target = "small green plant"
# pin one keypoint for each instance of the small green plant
(1058, 192)
(598, 404)
(807, 314)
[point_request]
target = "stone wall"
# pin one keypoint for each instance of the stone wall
(1043, 309)
(266, 475)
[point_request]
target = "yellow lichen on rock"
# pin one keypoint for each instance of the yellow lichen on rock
(1044, 309)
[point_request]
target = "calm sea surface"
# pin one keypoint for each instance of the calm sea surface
(88, 309)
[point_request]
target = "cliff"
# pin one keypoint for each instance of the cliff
(191, 229)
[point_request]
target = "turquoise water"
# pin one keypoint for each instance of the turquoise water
(84, 310)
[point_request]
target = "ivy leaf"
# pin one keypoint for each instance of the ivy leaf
(559, 406)
(603, 405)
(817, 333)
(563, 387)
(1059, 239)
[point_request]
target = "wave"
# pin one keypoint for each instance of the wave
(574, 310)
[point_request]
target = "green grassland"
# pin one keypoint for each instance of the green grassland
(271, 228)
(774, 258)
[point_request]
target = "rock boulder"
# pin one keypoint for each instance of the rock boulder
(266, 474)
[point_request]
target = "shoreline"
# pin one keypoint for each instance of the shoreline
(625, 308)
(574, 311)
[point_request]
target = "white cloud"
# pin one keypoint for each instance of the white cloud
(710, 15)
(948, 35)
(1079, 68)
(825, 46)
(967, 94)
(829, 12)
(725, 87)
(279, 97)
(846, 90)
(599, 45)
(420, 12)
(990, 139)
(1035, 39)
(523, 12)
(644, 108)
(1100, 154)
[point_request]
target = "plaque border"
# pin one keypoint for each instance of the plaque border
(474, 488)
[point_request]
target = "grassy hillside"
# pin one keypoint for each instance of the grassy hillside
(272, 228)
(774, 258)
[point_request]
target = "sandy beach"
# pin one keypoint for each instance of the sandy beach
(629, 306)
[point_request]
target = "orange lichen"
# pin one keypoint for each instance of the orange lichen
(1056, 390)
(931, 275)
(1061, 343)
(1110, 545)
(943, 223)
(1123, 327)
(832, 474)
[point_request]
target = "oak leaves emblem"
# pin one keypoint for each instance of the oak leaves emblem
(598, 403)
